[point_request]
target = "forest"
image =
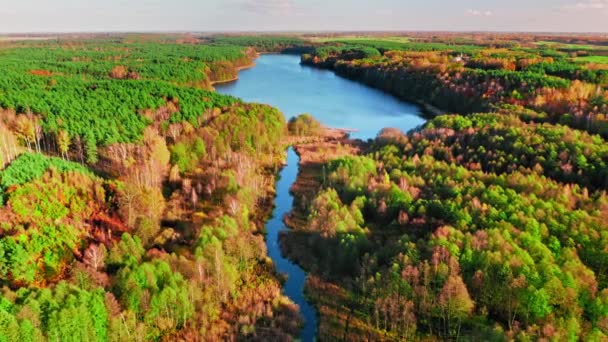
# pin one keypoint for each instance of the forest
(133, 196)
(548, 85)
(488, 224)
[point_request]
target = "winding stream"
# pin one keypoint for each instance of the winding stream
(280, 81)
(294, 286)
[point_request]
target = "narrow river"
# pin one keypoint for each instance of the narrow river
(294, 287)
(280, 81)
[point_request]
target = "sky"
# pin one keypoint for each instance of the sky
(18, 16)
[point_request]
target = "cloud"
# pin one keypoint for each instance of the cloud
(588, 5)
(282, 7)
(480, 13)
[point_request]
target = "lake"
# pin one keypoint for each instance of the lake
(280, 81)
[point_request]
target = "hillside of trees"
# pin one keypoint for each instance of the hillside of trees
(133, 197)
(489, 224)
(430, 236)
(265, 43)
(168, 247)
(467, 79)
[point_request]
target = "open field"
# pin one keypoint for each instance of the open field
(593, 59)
(582, 47)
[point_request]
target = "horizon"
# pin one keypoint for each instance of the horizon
(277, 170)
(301, 32)
(158, 16)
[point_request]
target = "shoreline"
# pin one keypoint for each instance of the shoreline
(427, 110)
(245, 67)
(236, 78)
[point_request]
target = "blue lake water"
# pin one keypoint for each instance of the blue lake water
(280, 81)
